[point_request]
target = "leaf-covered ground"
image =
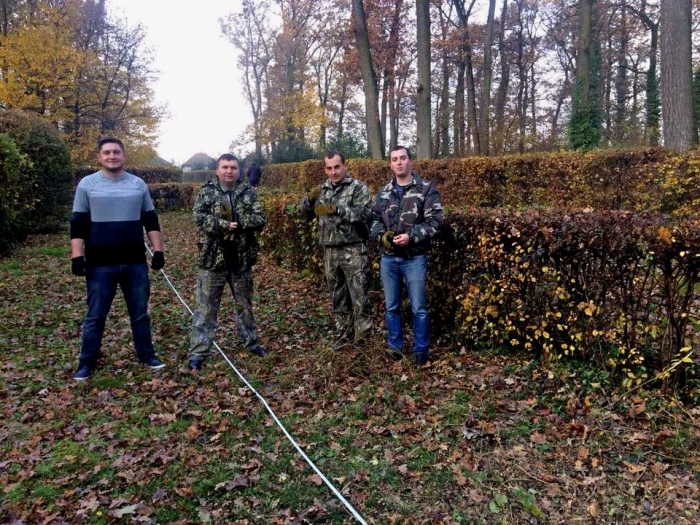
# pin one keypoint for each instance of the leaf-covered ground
(476, 437)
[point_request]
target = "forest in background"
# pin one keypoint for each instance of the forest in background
(446, 77)
(503, 77)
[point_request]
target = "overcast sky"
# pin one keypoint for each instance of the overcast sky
(198, 77)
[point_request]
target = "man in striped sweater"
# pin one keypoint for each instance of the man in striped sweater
(110, 211)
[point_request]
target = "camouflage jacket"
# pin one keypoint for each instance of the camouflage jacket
(418, 213)
(351, 224)
(214, 210)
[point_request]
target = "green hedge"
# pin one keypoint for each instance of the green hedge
(173, 196)
(39, 198)
(198, 176)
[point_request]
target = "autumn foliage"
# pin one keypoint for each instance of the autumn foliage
(647, 179)
(85, 71)
(551, 254)
(546, 254)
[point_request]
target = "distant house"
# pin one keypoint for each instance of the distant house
(199, 161)
(158, 161)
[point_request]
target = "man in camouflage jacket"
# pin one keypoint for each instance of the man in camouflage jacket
(342, 205)
(406, 214)
(228, 214)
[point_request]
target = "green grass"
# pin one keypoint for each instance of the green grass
(51, 251)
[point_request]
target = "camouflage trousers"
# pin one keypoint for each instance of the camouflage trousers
(210, 288)
(347, 273)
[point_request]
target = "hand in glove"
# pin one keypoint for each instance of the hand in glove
(388, 239)
(77, 266)
(326, 209)
(158, 261)
(225, 213)
(313, 194)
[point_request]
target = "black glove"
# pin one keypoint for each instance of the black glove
(158, 261)
(326, 209)
(77, 266)
(388, 239)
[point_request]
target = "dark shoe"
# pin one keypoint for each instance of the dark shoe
(258, 350)
(393, 353)
(153, 363)
(195, 363)
(421, 359)
(82, 373)
(342, 342)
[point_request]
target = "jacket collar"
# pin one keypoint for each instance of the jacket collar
(346, 180)
(416, 180)
(236, 189)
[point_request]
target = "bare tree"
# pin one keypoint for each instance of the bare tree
(463, 14)
(249, 32)
(503, 84)
(653, 103)
(423, 108)
(369, 78)
(485, 109)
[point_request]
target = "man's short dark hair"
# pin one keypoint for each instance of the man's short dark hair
(332, 153)
(226, 156)
(397, 148)
(109, 140)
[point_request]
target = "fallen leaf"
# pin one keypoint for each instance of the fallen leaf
(129, 509)
(315, 479)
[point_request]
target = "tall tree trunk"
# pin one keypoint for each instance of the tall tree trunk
(423, 108)
(677, 74)
(533, 101)
(393, 109)
(463, 15)
(342, 103)
(374, 132)
(442, 124)
(621, 82)
(521, 101)
(383, 111)
(607, 91)
(484, 120)
(459, 131)
(502, 92)
(584, 127)
(652, 102)
(442, 143)
(471, 99)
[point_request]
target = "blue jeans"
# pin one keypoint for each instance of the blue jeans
(101, 284)
(411, 272)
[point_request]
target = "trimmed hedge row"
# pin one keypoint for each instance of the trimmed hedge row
(173, 196)
(649, 180)
(199, 176)
(616, 287)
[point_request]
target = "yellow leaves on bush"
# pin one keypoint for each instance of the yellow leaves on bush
(588, 308)
(588, 287)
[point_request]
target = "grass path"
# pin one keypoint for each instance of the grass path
(474, 438)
